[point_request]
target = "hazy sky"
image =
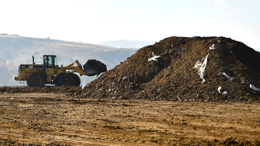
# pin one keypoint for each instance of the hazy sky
(95, 21)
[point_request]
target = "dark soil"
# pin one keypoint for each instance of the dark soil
(173, 76)
(75, 90)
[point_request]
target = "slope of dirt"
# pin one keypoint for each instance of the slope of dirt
(166, 70)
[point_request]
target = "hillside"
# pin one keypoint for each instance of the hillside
(185, 69)
(127, 43)
(16, 49)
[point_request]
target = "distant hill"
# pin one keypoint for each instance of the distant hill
(15, 49)
(127, 44)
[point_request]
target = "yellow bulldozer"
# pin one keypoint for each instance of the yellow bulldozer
(38, 75)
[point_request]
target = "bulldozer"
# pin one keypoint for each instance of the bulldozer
(39, 75)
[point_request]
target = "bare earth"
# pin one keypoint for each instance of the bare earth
(57, 119)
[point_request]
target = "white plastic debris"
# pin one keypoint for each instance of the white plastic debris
(201, 66)
(227, 76)
(225, 93)
(212, 47)
(219, 89)
(177, 52)
(84, 85)
(125, 78)
(154, 58)
(234, 56)
(254, 87)
(219, 41)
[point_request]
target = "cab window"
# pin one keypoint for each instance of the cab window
(49, 61)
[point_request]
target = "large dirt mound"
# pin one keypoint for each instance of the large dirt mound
(170, 68)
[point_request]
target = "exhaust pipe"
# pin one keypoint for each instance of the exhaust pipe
(33, 60)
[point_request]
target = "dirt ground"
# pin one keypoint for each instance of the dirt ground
(58, 119)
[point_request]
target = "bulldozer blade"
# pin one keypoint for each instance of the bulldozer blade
(94, 67)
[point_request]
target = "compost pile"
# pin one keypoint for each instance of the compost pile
(185, 69)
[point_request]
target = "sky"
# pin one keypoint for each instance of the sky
(96, 21)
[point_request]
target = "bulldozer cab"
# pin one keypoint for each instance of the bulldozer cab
(49, 61)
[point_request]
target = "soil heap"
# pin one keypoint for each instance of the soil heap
(185, 69)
